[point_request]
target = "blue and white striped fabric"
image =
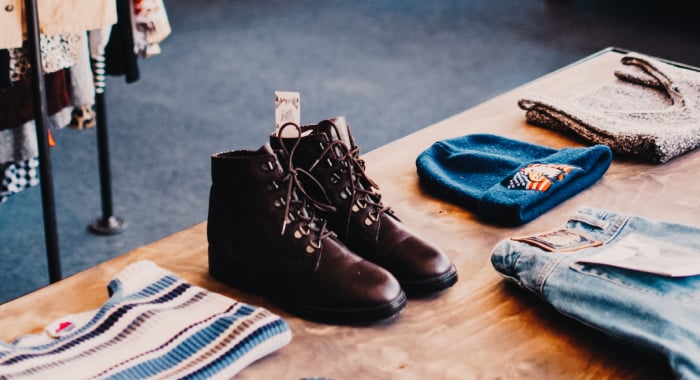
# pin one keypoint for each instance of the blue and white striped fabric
(155, 325)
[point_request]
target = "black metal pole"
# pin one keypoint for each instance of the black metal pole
(108, 224)
(41, 120)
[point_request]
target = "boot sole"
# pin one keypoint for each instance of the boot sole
(248, 283)
(345, 316)
(423, 287)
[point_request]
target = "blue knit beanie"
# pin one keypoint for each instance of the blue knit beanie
(507, 181)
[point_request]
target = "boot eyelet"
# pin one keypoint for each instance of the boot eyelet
(303, 213)
(279, 202)
(313, 246)
(329, 162)
(359, 204)
(268, 166)
(301, 232)
(334, 178)
(273, 186)
(371, 218)
(345, 193)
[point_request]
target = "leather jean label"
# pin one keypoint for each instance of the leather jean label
(560, 240)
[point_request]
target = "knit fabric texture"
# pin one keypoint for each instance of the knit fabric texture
(507, 181)
(154, 325)
(649, 109)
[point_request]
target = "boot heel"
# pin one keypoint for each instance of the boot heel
(219, 265)
(230, 272)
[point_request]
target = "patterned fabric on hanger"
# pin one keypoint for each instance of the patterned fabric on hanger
(19, 152)
(18, 176)
(150, 26)
(57, 53)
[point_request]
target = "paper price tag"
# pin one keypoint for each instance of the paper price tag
(646, 254)
(287, 110)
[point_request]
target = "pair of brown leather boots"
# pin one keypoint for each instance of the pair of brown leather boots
(299, 222)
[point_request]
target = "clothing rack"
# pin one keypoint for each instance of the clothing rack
(108, 224)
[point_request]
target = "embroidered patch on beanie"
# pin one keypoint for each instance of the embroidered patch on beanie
(506, 181)
(539, 176)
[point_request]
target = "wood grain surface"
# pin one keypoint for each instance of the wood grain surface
(483, 327)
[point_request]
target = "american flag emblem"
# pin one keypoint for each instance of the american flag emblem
(539, 176)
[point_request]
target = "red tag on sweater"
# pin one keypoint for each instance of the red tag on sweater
(60, 328)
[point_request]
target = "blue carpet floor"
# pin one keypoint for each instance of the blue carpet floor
(391, 67)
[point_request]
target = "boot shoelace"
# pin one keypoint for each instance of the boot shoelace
(299, 204)
(363, 186)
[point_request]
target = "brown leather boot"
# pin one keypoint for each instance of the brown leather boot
(265, 238)
(370, 229)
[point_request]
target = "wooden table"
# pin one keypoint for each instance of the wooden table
(482, 327)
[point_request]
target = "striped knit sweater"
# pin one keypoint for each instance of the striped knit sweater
(154, 325)
(649, 109)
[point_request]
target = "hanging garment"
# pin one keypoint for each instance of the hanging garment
(81, 79)
(150, 26)
(56, 17)
(11, 24)
(57, 53)
(19, 143)
(60, 51)
(16, 102)
(5, 81)
(18, 176)
(154, 325)
(505, 181)
(120, 55)
(633, 278)
(82, 89)
(97, 41)
(19, 65)
(18, 151)
(650, 111)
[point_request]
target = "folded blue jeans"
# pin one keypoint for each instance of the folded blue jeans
(611, 271)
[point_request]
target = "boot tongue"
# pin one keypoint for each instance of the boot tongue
(340, 132)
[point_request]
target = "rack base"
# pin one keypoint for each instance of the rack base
(109, 226)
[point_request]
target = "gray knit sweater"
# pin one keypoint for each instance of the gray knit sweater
(650, 110)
